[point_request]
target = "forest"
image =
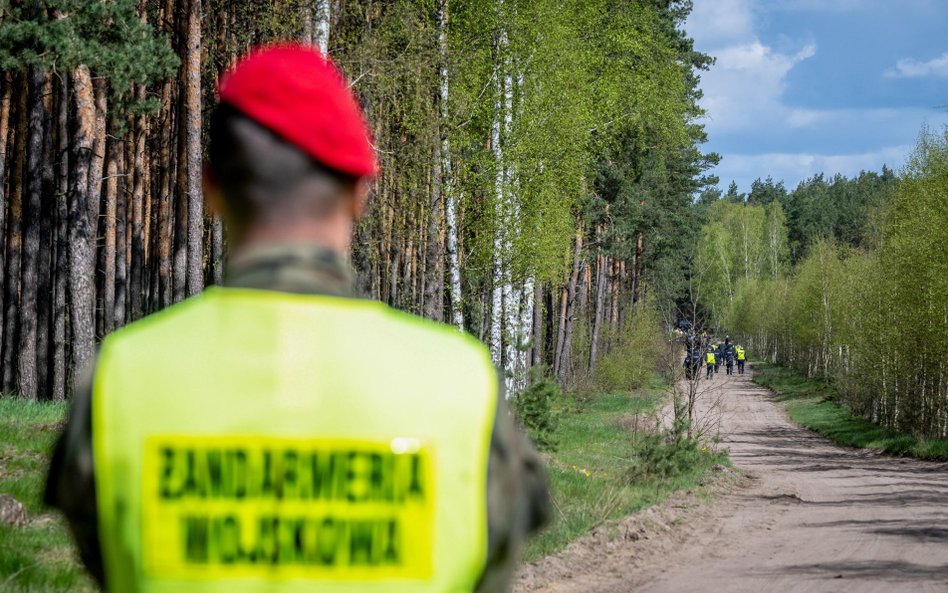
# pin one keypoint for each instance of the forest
(537, 181)
(845, 280)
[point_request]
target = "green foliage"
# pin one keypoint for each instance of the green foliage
(837, 209)
(590, 475)
(107, 36)
(534, 409)
(663, 457)
(873, 320)
(813, 403)
(739, 244)
(636, 349)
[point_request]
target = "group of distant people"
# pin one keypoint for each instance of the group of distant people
(703, 350)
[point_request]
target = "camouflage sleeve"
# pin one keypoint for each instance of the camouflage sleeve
(70, 486)
(518, 499)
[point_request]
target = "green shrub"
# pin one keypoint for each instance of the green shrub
(664, 457)
(534, 409)
(633, 353)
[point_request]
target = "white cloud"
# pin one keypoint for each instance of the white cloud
(818, 5)
(720, 21)
(743, 90)
(795, 167)
(911, 68)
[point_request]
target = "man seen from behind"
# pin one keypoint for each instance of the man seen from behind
(279, 433)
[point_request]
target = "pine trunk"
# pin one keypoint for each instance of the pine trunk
(81, 225)
(5, 95)
(14, 244)
(602, 263)
(61, 262)
(32, 204)
(566, 346)
(108, 260)
(434, 257)
(193, 152)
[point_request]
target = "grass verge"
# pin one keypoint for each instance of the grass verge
(608, 466)
(39, 556)
(814, 404)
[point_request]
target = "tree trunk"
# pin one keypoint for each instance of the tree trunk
(82, 228)
(32, 204)
(447, 180)
(108, 266)
(44, 298)
(14, 244)
(568, 319)
(121, 238)
(193, 153)
(61, 263)
(323, 18)
(5, 95)
(136, 285)
(217, 250)
(434, 257)
(637, 273)
(602, 263)
(536, 358)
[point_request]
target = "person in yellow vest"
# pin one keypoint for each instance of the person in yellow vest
(278, 433)
(711, 360)
(741, 359)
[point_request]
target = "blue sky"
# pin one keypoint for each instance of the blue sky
(808, 86)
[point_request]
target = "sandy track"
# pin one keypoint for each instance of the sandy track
(814, 517)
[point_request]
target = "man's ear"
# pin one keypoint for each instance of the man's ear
(360, 198)
(213, 201)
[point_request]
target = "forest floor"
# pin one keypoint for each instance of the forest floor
(37, 554)
(797, 514)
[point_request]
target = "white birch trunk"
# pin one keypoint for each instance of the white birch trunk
(497, 302)
(450, 205)
(511, 293)
(321, 29)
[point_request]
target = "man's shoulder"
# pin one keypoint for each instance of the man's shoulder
(434, 334)
(150, 326)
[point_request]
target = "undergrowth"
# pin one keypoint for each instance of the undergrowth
(611, 461)
(815, 404)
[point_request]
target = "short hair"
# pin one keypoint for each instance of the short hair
(265, 179)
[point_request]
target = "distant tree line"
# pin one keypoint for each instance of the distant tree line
(866, 303)
(538, 158)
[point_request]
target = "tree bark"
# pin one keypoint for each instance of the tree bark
(637, 272)
(136, 285)
(5, 99)
(121, 238)
(26, 365)
(14, 244)
(566, 346)
(447, 180)
(61, 262)
(44, 299)
(602, 263)
(193, 153)
(108, 266)
(536, 358)
(82, 228)
(434, 256)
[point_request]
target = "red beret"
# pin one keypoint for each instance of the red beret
(298, 94)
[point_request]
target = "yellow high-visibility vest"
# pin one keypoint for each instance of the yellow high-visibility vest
(710, 358)
(249, 441)
(740, 354)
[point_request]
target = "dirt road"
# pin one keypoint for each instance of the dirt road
(814, 518)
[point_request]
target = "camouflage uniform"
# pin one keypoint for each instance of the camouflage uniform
(517, 498)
